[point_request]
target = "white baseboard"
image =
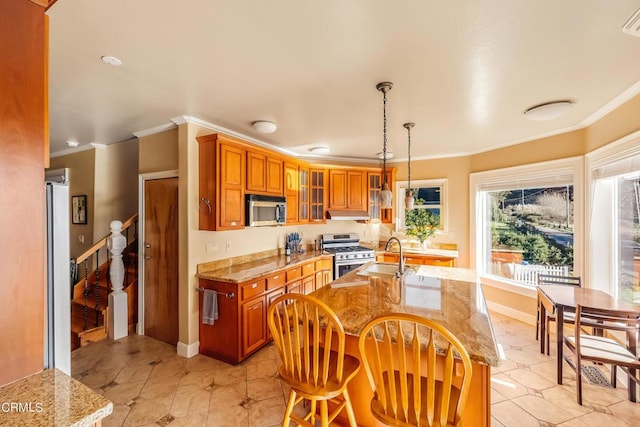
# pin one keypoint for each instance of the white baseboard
(188, 350)
(515, 314)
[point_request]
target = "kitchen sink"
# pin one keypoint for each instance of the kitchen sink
(379, 269)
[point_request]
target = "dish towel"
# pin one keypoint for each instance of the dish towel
(209, 307)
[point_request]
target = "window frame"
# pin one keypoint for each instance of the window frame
(401, 186)
(542, 174)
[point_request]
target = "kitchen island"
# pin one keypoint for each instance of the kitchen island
(450, 296)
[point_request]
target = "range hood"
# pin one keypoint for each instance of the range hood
(347, 215)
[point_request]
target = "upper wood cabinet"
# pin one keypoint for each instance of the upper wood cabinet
(303, 194)
(291, 186)
(374, 186)
(347, 189)
(221, 183)
(264, 173)
(318, 190)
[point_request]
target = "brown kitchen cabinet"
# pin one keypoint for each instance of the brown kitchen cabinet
(374, 187)
(221, 183)
(303, 194)
(241, 328)
(291, 191)
(347, 189)
(318, 196)
(264, 173)
(418, 259)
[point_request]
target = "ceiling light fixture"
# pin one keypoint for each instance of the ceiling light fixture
(320, 150)
(385, 194)
(408, 198)
(264, 126)
(548, 110)
(382, 156)
(73, 143)
(111, 60)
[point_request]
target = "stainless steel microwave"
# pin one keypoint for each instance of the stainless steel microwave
(265, 210)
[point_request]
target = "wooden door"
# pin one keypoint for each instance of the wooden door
(338, 189)
(274, 176)
(356, 190)
(232, 170)
(256, 172)
(161, 259)
(291, 192)
(318, 195)
(303, 202)
(254, 332)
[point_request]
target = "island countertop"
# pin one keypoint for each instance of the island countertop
(450, 296)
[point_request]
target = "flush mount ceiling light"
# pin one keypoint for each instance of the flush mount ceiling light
(73, 143)
(320, 150)
(382, 155)
(548, 110)
(111, 60)
(264, 126)
(385, 194)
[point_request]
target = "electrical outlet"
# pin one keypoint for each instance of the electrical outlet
(81, 238)
(228, 245)
(211, 247)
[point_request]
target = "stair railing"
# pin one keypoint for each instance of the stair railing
(99, 253)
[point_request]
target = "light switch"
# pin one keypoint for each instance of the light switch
(81, 238)
(211, 247)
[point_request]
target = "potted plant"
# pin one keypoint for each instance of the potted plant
(421, 224)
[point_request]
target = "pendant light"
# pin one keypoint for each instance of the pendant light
(385, 194)
(408, 199)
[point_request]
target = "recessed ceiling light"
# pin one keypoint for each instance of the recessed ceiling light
(381, 155)
(73, 143)
(320, 150)
(548, 110)
(111, 60)
(264, 126)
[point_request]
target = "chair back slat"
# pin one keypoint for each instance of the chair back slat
(391, 378)
(417, 390)
(425, 385)
(316, 347)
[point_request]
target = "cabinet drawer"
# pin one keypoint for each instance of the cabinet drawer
(308, 268)
(275, 280)
(440, 262)
(323, 264)
(294, 273)
(251, 289)
(413, 260)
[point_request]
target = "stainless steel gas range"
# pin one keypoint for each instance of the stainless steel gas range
(348, 254)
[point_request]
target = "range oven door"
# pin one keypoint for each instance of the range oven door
(341, 268)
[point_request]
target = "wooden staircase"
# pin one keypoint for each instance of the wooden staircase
(89, 314)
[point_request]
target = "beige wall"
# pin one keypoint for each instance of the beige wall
(81, 181)
(116, 185)
(158, 152)
(623, 121)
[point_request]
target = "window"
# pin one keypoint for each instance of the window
(614, 229)
(524, 221)
(429, 194)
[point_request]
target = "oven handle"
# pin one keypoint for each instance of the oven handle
(353, 262)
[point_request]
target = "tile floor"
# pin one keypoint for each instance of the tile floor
(150, 385)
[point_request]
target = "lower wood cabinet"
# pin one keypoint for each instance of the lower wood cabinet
(241, 328)
(418, 259)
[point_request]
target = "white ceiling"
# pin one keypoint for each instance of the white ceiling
(463, 71)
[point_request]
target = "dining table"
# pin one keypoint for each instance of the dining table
(564, 299)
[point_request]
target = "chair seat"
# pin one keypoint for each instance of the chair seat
(603, 348)
(378, 411)
(333, 387)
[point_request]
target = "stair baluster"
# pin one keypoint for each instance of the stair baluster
(96, 288)
(86, 293)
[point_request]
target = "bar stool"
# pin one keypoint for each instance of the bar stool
(420, 373)
(304, 331)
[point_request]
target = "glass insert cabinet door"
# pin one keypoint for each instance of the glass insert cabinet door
(374, 187)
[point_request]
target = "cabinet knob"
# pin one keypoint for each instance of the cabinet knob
(255, 285)
(275, 277)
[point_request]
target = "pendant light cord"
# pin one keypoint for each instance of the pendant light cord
(384, 133)
(409, 162)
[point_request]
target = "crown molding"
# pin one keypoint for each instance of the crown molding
(156, 129)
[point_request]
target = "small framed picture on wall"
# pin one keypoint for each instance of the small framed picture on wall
(79, 209)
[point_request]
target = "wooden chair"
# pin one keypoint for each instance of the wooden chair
(304, 331)
(419, 371)
(601, 349)
(550, 279)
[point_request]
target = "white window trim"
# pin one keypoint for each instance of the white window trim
(400, 191)
(617, 158)
(507, 176)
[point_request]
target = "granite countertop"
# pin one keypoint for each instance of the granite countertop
(450, 296)
(407, 249)
(251, 270)
(51, 398)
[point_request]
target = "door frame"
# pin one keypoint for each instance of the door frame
(142, 178)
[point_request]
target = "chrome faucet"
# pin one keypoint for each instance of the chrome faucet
(400, 258)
